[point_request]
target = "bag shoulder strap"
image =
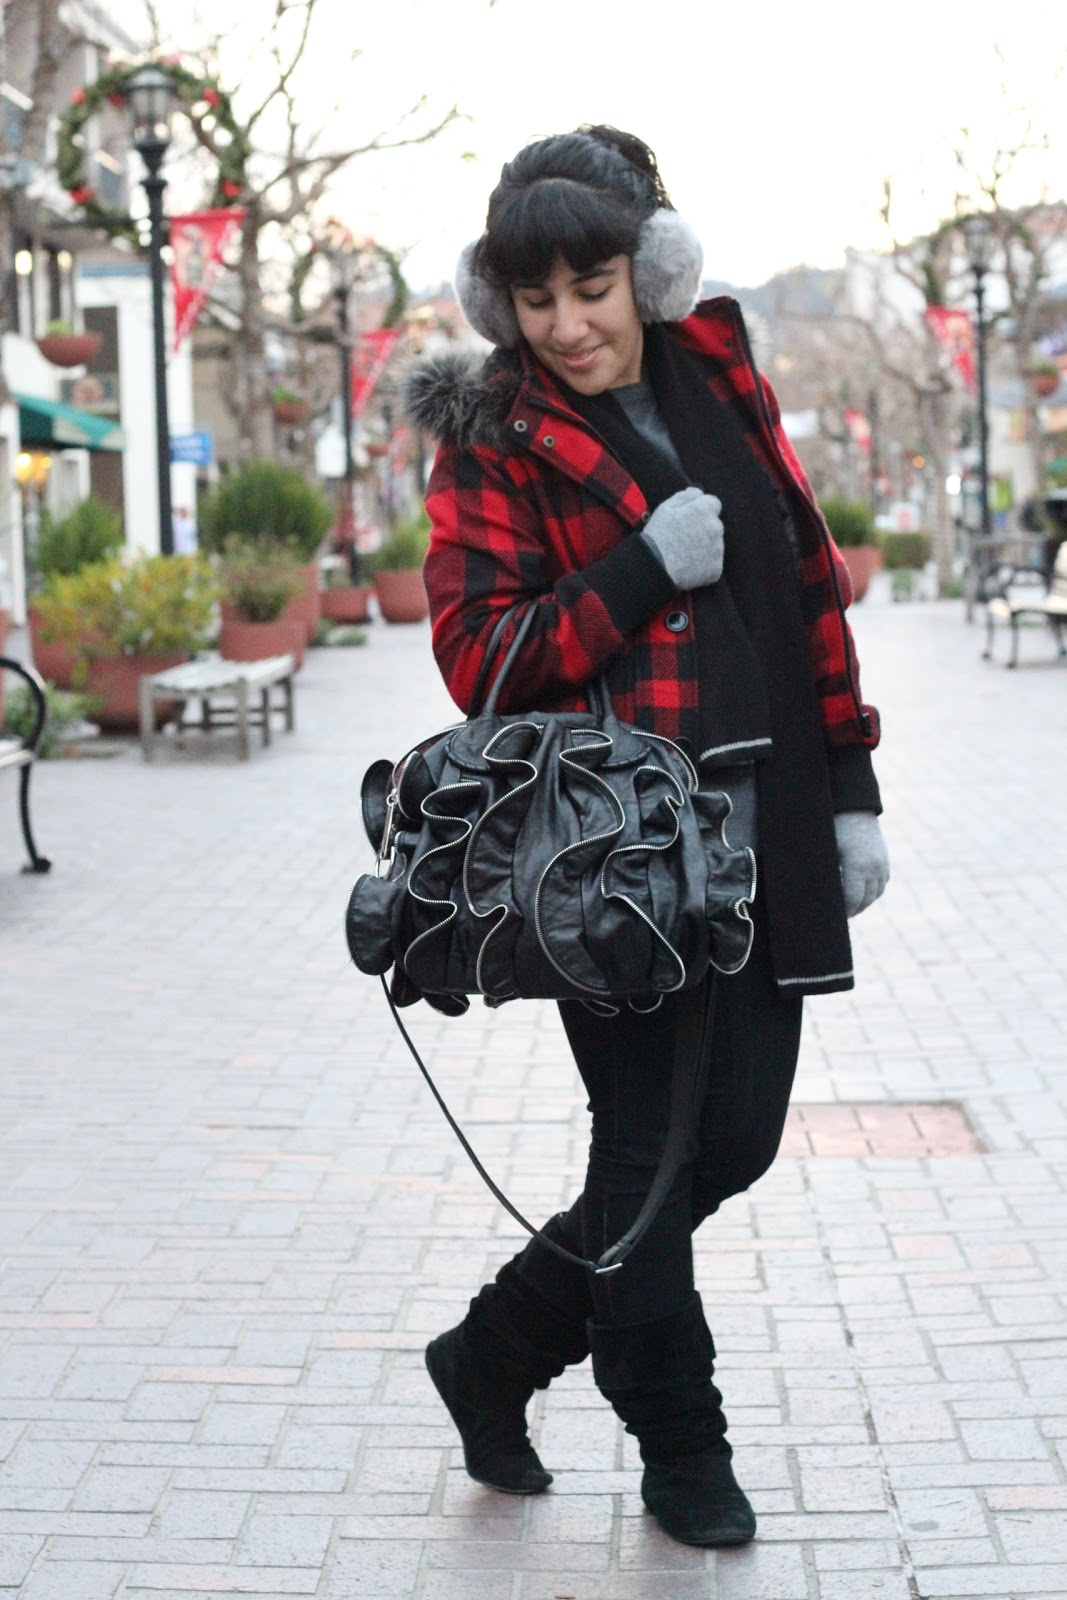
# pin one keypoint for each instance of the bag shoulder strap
(492, 649)
(692, 1049)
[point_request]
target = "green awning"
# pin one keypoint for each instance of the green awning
(47, 422)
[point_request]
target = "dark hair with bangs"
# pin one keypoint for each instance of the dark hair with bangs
(582, 196)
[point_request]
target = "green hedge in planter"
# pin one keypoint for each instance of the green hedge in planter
(264, 501)
(260, 579)
(91, 532)
(404, 549)
(153, 606)
(851, 522)
(66, 713)
(904, 551)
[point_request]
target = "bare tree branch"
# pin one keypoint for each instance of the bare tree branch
(155, 29)
(303, 198)
(287, 69)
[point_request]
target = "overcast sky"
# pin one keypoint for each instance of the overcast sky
(774, 124)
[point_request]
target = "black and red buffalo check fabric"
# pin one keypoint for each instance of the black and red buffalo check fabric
(544, 516)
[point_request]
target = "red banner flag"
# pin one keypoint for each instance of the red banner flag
(955, 334)
(370, 358)
(859, 430)
(198, 241)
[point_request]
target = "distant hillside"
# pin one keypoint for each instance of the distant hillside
(802, 291)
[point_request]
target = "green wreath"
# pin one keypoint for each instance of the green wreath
(203, 101)
(400, 295)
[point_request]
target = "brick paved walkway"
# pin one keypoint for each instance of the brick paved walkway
(230, 1216)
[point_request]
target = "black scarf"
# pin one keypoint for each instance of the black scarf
(753, 663)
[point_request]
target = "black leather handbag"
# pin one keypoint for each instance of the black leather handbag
(552, 856)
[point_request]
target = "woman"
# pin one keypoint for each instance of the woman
(618, 466)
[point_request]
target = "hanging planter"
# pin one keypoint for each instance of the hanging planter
(60, 345)
(1046, 380)
(290, 409)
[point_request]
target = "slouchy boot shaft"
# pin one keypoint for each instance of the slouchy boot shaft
(657, 1375)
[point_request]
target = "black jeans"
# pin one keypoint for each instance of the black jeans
(625, 1063)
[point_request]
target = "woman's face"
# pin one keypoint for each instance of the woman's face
(583, 326)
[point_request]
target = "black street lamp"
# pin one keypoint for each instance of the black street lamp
(978, 232)
(343, 255)
(150, 96)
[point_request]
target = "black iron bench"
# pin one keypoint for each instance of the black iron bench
(1046, 601)
(21, 754)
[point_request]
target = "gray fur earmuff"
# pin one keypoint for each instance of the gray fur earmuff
(486, 307)
(666, 266)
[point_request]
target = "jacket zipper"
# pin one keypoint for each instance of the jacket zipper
(862, 717)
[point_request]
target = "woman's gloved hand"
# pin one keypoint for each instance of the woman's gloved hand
(685, 535)
(862, 858)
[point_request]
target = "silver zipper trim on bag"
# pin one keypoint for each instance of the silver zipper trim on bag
(648, 849)
(460, 839)
(497, 761)
(660, 738)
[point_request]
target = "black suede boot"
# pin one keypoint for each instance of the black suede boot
(512, 1341)
(657, 1376)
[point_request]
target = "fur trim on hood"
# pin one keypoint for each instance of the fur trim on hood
(462, 399)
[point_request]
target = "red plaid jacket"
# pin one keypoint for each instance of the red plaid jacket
(527, 504)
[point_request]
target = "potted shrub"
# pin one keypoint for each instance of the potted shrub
(91, 532)
(397, 571)
(290, 408)
(260, 583)
(1046, 377)
(67, 716)
(905, 552)
(904, 555)
(851, 524)
(264, 503)
(126, 621)
(60, 345)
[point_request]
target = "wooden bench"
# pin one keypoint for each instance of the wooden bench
(1048, 600)
(246, 685)
(20, 754)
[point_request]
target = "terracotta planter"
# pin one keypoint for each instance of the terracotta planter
(306, 608)
(114, 682)
(254, 641)
(862, 561)
(345, 605)
(1046, 383)
(69, 349)
(402, 595)
(54, 660)
(291, 413)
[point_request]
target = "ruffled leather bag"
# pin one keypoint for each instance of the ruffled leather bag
(553, 856)
(547, 856)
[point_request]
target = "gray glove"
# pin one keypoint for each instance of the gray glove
(685, 535)
(862, 858)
